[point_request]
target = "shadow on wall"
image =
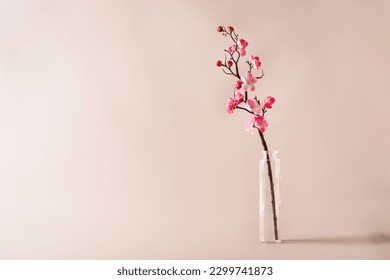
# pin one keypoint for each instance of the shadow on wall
(378, 238)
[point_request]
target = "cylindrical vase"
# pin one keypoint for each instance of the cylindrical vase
(269, 197)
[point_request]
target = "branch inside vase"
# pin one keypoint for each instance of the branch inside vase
(275, 218)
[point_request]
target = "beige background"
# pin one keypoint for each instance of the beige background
(115, 143)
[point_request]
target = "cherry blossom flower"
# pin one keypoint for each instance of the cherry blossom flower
(238, 84)
(230, 106)
(249, 81)
(255, 61)
(256, 121)
(232, 48)
(253, 106)
(239, 97)
(268, 102)
(241, 45)
(260, 122)
(249, 125)
(233, 102)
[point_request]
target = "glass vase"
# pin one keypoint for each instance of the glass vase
(269, 197)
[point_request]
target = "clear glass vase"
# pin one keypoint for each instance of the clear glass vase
(270, 201)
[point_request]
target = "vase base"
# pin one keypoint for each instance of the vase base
(271, 241)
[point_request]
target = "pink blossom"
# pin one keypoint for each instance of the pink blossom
(232, 103)
(260, 122)
(249, 125)
(256, 121)
(238, 84)
(249, 81)
(253, 106)
(239, 97)
(230, 106)
(255, 61)
(268, 102)
(241, 45)
(232, 48)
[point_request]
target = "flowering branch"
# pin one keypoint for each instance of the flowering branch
(246, 83)
(237, 74)
(243, 86)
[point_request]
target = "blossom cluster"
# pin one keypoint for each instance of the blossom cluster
(245, 83)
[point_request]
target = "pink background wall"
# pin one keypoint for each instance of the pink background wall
(115, 143)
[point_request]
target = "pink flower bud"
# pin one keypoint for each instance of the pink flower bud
(219, 28)
(229, 63)
(230, 29)
(268, 102)
(219, 63)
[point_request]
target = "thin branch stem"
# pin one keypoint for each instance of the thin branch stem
(237, 74)
(245, 109)
(250, 66)
(236, 62)
(229, 68)
(262, 75)
(235, 36)
(226, 72)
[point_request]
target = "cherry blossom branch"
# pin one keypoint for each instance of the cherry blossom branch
(229, 68)
(250, 66)
(262, 75)
(223, 70)
(240, 95)
(236, 35)
(237, 74)
(245, 109)
(231, 34)
(236, 62)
